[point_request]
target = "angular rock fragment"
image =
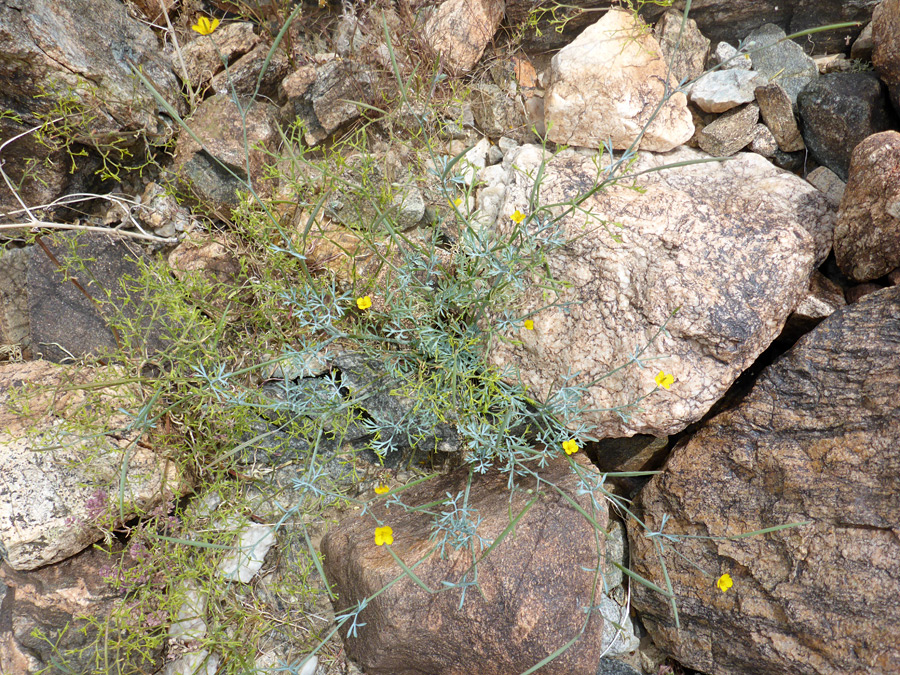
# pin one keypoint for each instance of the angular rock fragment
(722, 90)
(861, 49)
(778, 114)
(330, 101)
(74, 58)
(498, 113)
(823, 298)
(731, 132)
(65, 324)
(204, 58)
(67, 602)
(763, 142)
(727, 57)
(218, 170)
(828, 182)
(243, 76)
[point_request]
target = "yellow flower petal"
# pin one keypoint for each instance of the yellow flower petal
(529, 324)
(570, 446)
(382, 489)
(364, 302)
(664, 380)
(205, 26)
(517, 216)
(384, 535)
(724, 582)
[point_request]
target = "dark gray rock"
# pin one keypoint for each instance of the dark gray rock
(387, 426)
(733, 20)
(65, 324)
(814, 441)
(640, 452)
(780, 60)
(837, 112)
(615, 667)
(789, 161)
(40, 173)
(404, 424)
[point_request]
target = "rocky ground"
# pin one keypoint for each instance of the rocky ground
(450, 338)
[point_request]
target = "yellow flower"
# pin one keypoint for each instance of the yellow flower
(384, 535)
(529, 324)
(205, 26)
(364, 302)
(382, 489)
(724, 582)
(664, 380)
(570, 446)
(517, 216)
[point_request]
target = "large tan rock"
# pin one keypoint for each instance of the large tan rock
(724, 243)
(867, 234)
(534, 586)
(814, 441)
(607, 85)
(459, 30)
(66, 456)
